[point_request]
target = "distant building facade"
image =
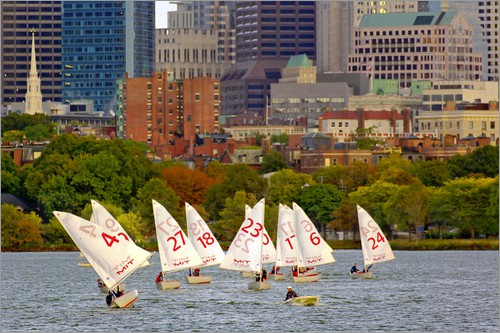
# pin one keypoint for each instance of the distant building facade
(415, 46)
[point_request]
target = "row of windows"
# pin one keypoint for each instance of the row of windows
(37, 42)
(449, 125)
(51, 8)
(94, 5)
(272, 36)
(26, 33)
(296, 100)
(7, 26)
(300, 28)
(31, 17)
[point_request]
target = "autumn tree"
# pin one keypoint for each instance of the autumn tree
(188, 185)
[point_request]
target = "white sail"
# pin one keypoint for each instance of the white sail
(268, 249)
(176, 251)
(286, 240)
(245, 251)
(112, 254)
(313, 248)
(202, 238)
(376, 247)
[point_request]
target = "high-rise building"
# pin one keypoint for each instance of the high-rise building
(102, 40)
(18, 19)
(335, 27)
(267, 34)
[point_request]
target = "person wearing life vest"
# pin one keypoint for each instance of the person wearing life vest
(291, 293)
(159, 278)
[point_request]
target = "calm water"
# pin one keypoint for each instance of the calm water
(449, 291)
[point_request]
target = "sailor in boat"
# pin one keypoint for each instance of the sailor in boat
(196, 272)
(367, 269)
(111, 296)
(99, 283)
(159, 278)
(295, 272)
(264, 275)
(290, 293)
(354, 269)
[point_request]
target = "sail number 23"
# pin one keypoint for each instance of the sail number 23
(372, 229)
(248, 230)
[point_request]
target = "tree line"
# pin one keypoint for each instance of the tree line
(458, 195)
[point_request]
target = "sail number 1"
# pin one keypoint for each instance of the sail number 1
(372, 229)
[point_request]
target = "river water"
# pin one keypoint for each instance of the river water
(432, 291)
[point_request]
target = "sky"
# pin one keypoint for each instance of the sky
(162, 7)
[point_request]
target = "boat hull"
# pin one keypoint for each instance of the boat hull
(307, 278)
(365, 275)
(277, 277)
(83, 264)
(247, 274)
(168, 284)
(126, 300)
(259, 285)
(200, 279)
(303, 301)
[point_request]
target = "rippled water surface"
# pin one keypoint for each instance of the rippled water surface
(448, 291)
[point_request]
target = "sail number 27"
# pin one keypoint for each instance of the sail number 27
(372, 229)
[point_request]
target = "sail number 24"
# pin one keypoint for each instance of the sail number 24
(373, 229)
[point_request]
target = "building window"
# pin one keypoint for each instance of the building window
(188, 117)
(340, 124)
(483, 125)
(471, 124)
(333, 124)
(492, 125)
(197, 97)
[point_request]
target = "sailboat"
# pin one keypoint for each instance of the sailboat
(82, 261)
(102, 217)
(112, 254)
(311, 247)
(268, 249)
(376, 247)
(204, 242)
(245, 251)
(176, 251)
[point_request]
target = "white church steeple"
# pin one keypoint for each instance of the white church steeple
(33, 93)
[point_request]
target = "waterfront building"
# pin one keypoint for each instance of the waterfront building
(19, 19)
(101, 41)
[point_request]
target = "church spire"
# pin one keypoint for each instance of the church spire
(33, 93)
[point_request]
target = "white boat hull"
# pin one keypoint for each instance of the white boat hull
(307, 278)
(200, 279)
(303, 301)
(365, 275)
(259, 285)
(83, 264)
(168, 284)
(126, 300)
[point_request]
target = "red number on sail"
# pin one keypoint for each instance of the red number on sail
(176, 246)
(314, 239)
(380, 237)
(266, 239)
(109, 239)
(124, 236)
(245, 228)
(288, 240)
(257, 230)
(206, 239)
(374, 245)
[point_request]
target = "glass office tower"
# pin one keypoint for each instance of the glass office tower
(101, 40)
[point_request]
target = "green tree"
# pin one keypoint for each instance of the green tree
(273, 161)
(373, 198)
(158, 190)
(20, 232)
(407, 208)
(284, 186)
(431, 173)
(237, 177)
(319, 201)
(233, 215)
(40, 132)
(280, 138)
(11, 180)
(395, 169)
(482, 160)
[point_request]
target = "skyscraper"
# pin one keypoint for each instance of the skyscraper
(102, 40)
(267, 34)
(18, 18)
